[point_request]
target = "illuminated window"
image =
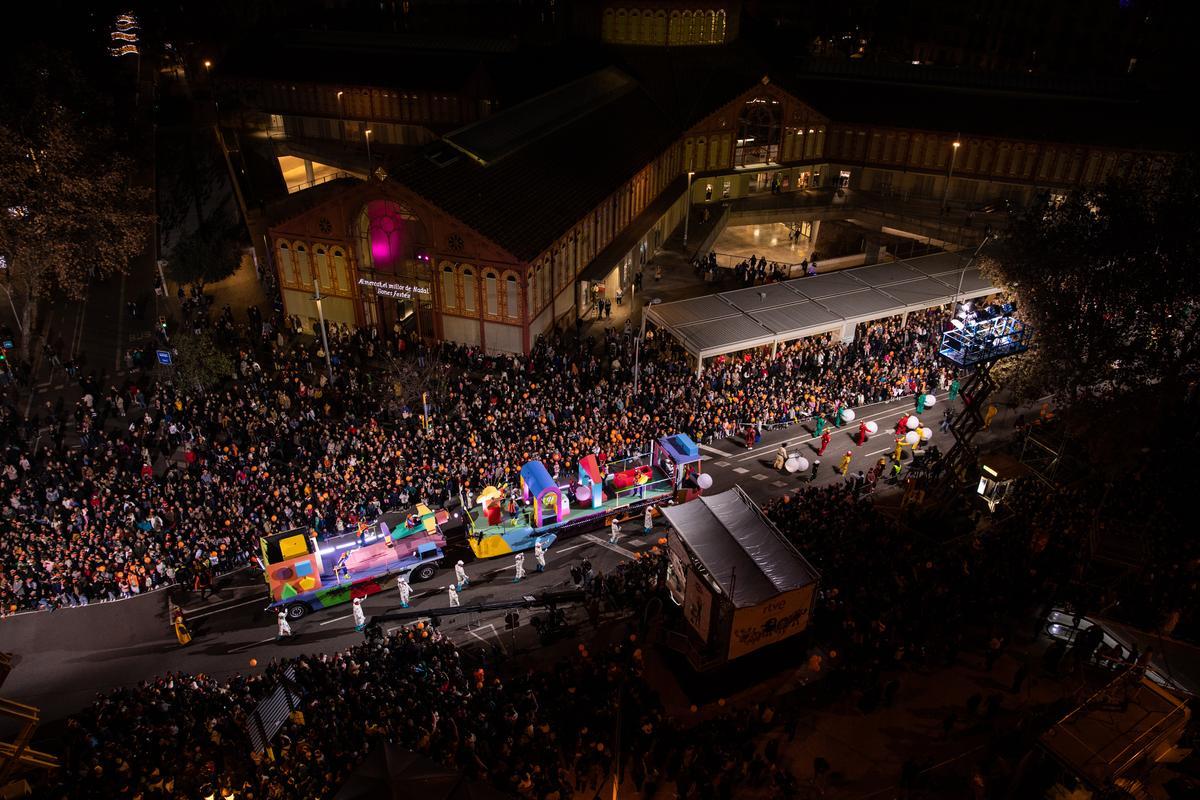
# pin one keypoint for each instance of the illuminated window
(388, 235)
(512, 297)
(492, 293)
(448, 294)
(469, 289)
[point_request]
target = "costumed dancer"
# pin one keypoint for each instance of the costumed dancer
(825, 437)
(615, 534)
(539, 555)
(863, 434)
(816, 466)
(453, 596)
(405, 590)
(780, 457)
(179, 622)
(844, 466)
(460, 575)
(520, 568)
(820, 425)
(360, 616)
(285, 630)
(921, 402)
(899, 448)
(954, 387)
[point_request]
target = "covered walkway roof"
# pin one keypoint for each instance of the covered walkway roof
(718, 324)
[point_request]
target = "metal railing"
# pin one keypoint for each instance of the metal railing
(323, 179)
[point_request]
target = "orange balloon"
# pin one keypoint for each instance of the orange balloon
(254, 662)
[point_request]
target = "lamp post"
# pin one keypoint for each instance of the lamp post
(950, 173)
(324, 339)
(687, 217)
(637, 345)
(341, 118)
(370, 167)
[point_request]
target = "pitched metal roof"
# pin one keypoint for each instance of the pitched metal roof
(532, 194)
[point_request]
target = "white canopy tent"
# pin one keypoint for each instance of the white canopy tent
(723, 323)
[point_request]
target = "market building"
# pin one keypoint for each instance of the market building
(487, 224)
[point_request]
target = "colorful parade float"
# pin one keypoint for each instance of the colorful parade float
(541, 509)
(305, 575)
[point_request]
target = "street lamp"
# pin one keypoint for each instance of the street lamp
(370, 167)
(341, 118)
(687, 219)
(637, 344)
(324, 340)
(950, 173)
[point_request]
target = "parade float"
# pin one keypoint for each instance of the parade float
(305, 575)
(541, 509)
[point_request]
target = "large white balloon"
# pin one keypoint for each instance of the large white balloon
(912, 423)
(791, 465)
(848, 414)
(926, 433)
(704, 481)
(802, 464)
(872, 428)
(912, 437)
(930, 401)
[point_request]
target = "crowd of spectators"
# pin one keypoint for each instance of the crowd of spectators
(141, 484)
(544, 734)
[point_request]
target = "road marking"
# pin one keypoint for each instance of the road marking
(759, 476)
(615, 548)
(568, 549)
(713, 450)
(721, 464)
(495, 633)
(199, 613)
(805, 438)
(244, 647)
(740, 470)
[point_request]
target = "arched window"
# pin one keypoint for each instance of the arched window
(287, 267)
(388, 236)
(341, 270)
(449, 300)
(675, 29)
(512, 297)
(324, 268)
(719, 27)
(659, 32)
(303, 266)
(469, 289)
(621, 28)
(606, 26)
(635, 27)
(759, 133)
(492, 292)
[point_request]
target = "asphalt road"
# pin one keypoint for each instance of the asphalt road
(65, 657)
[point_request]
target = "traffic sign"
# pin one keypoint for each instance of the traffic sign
(164, 357)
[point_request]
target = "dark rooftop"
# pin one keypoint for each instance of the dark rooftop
(497, 136)
(534, 194)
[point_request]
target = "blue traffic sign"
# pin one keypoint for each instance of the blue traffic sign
(164, 357)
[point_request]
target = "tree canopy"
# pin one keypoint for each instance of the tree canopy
(1107, 278)
(208, 254)
(71, 209)
(199, 363)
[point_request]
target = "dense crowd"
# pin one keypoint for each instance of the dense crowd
(533, 734)
(141, 484)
